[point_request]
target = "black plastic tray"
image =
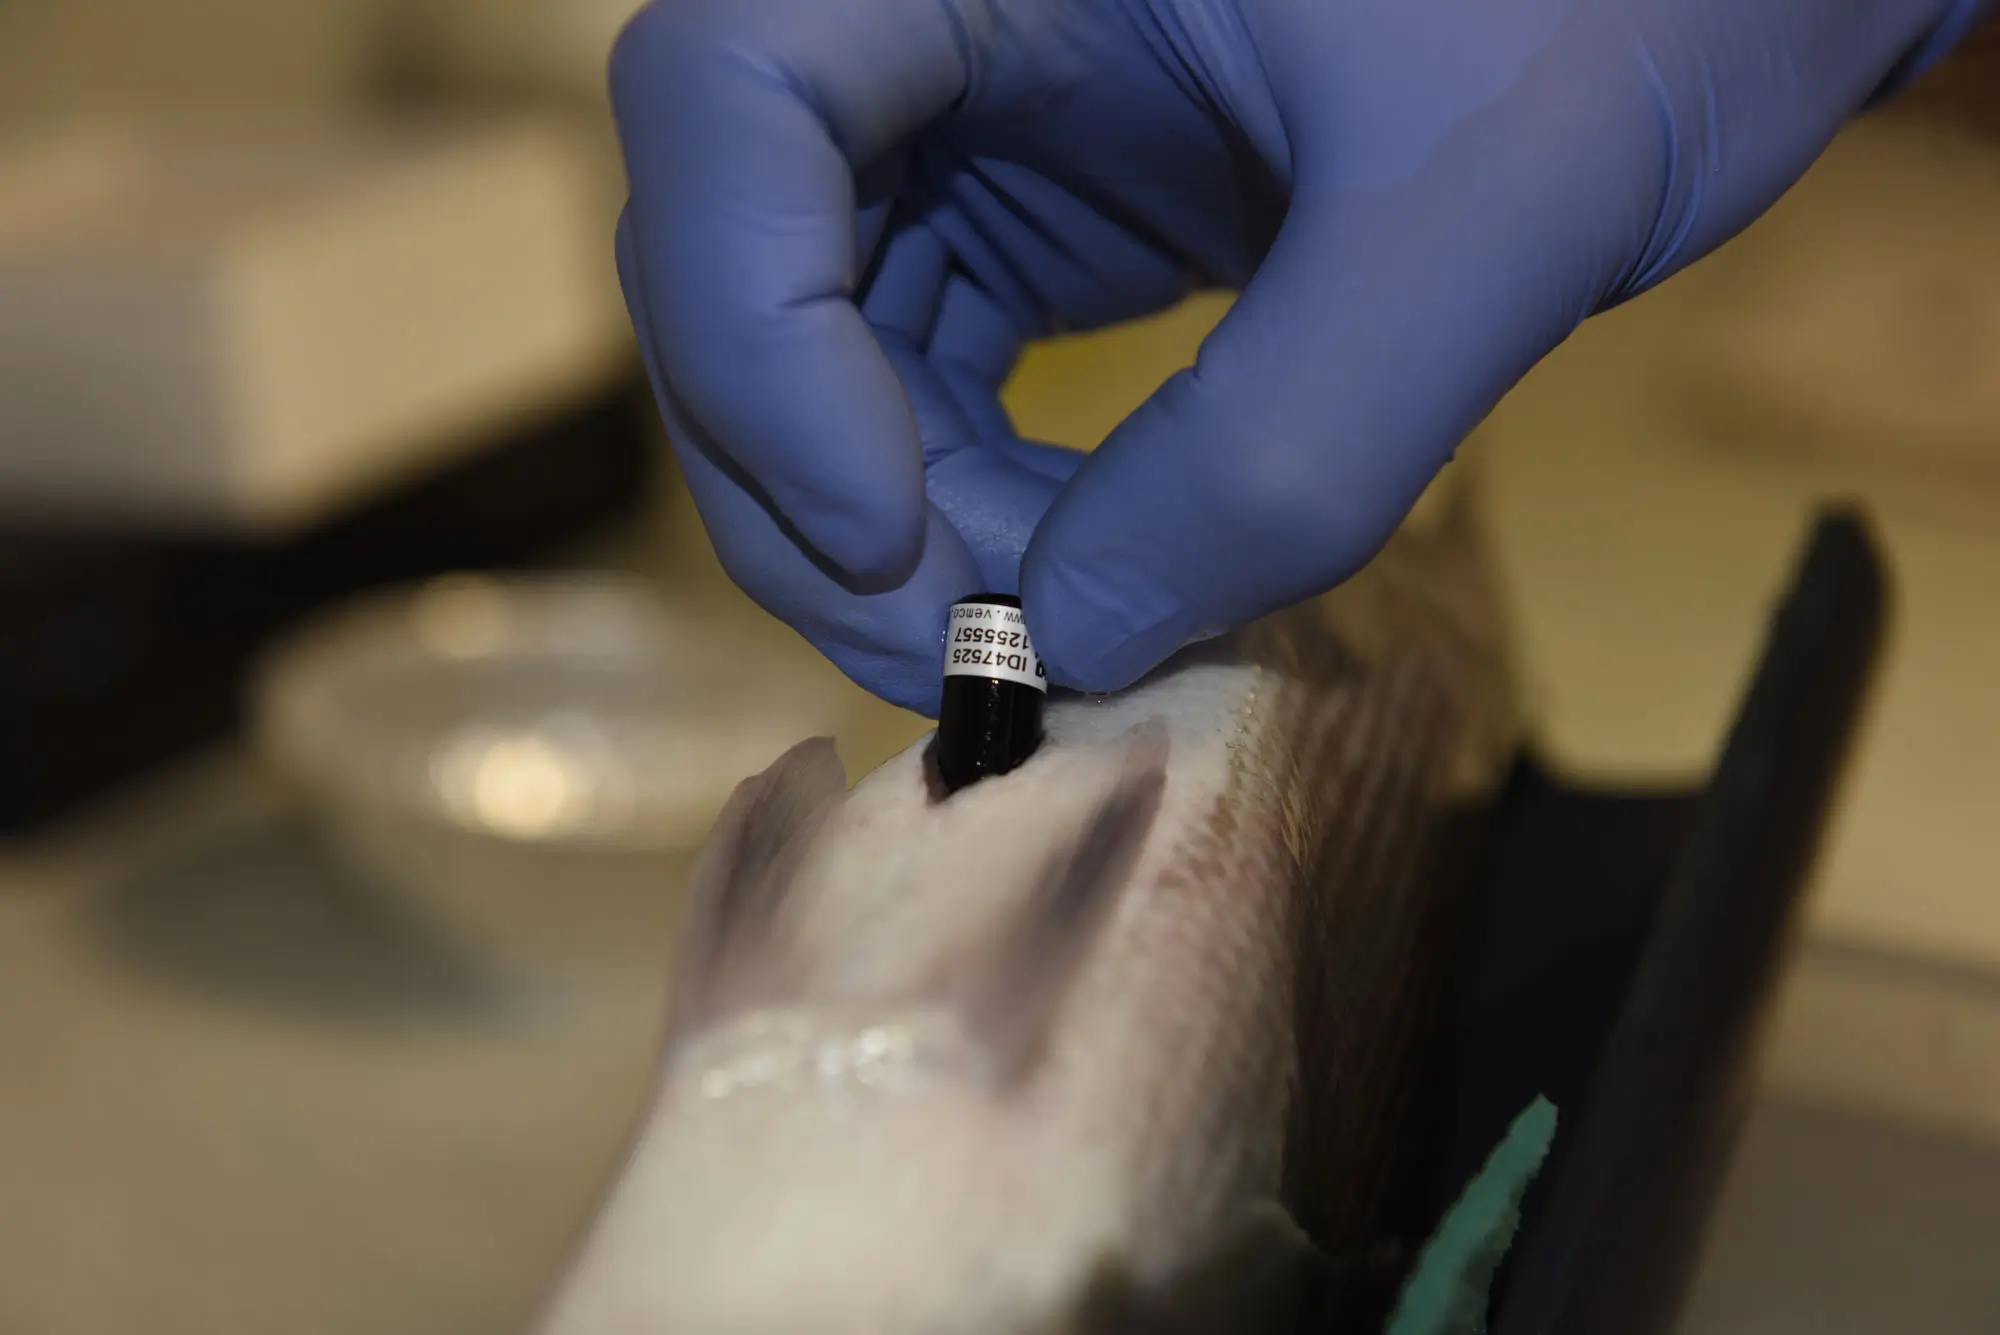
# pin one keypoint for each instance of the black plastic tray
(1623, 961)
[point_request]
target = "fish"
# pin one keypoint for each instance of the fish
(1132, 1038)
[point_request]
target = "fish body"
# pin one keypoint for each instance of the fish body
(1121, 1039)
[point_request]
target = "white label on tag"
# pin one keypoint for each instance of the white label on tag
(988, 640)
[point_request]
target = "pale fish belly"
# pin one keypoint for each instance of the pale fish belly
(1030, 1059)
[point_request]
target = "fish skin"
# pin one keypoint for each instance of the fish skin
(1139, 1021)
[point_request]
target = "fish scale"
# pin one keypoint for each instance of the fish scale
(1131, 1038)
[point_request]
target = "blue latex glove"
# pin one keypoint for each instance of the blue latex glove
(847, 216)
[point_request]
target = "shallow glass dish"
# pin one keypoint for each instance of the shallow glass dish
(530, 762)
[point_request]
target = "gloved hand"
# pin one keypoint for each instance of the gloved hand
(847, 216)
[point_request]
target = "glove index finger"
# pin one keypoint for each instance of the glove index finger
(744, 123)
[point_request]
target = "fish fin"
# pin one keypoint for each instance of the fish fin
(1009, 1005)
(1263, 1277)
(1267, 1276)
(733, 945)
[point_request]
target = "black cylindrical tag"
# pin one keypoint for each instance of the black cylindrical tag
(990, 719)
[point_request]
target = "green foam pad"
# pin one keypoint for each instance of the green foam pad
(1449, 1291)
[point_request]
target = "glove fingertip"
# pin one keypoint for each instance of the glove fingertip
(874, 547)
(1093, 634)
